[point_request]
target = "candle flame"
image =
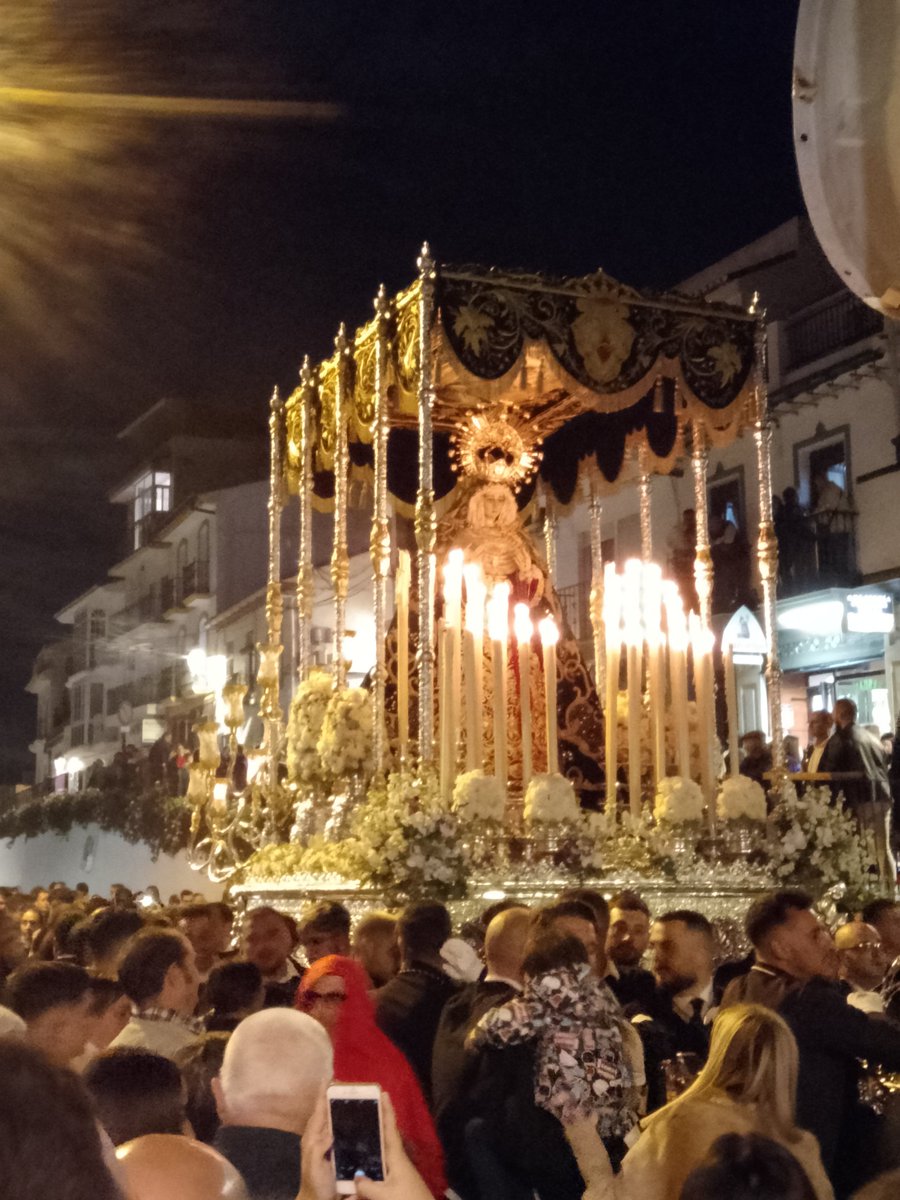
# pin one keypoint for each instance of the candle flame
(475, 595)
(454, 565)
(549, 631)
(498, 613)
(522, 624)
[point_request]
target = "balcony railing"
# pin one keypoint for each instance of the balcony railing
(819, 553)
(194, 580)
(146, 610)
(575, 603)
(171, 682)
(825, 328)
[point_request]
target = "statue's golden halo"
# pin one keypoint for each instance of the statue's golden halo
(490, 447)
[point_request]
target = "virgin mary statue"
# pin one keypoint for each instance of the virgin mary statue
(484, 521)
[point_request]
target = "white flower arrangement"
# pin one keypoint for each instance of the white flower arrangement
(345, 742)
(741, 799)
(816, 845)
(304, 727)
(478, 797)
(408, 845)
(678, 801)
(550, 800)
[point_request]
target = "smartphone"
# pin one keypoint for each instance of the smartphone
(355, 1113)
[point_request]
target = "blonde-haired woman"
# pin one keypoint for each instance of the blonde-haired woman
(749, 1085)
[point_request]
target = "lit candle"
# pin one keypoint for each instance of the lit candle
(401, 593)
(676, 627)
(634, 641)
(549, 637)
(612, 615)
(451, 670)
(523, 630)
(701, 649)
(734, 758)
(498, 630)
(656, 683)
(474, 656)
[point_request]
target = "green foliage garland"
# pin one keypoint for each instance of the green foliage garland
(161, 821)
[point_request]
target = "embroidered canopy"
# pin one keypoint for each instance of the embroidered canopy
(596, 372)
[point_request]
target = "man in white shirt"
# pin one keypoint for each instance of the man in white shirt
(863, 964)
(160, 977)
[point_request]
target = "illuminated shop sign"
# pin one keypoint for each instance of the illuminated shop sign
(870, 612)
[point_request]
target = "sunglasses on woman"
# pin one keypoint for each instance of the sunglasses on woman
(310, 998)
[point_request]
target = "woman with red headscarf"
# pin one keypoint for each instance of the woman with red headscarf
(335, 990)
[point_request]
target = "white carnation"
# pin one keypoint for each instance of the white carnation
(678, 801)
(478, 797)
(741, 797)
(550, 799)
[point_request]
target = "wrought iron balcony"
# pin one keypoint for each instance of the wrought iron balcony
(825, 328)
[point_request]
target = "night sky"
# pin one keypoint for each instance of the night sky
(143, 256)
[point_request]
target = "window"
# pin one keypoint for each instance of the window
(97, 633)
(203, 543)
(725, 493)
(202, 581)
(152, 494)
(77, 703)
(821, 460)
(181, 562)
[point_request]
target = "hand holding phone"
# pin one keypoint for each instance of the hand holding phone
(356, 1128)
(403, 1181)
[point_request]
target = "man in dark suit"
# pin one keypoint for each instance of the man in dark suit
(451, 1067)
(676, 1018)
(409, 1007)
(626, 944)
(856, 750)
(795, 973)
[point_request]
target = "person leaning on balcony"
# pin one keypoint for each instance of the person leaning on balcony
(833, 516)
(853, 749)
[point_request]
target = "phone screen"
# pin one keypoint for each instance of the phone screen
(357, 1139)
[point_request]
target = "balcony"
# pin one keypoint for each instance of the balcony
(824, 329)
(194, 582)
(819, 553)
(147, 611)
(170, 595)
(164, 685)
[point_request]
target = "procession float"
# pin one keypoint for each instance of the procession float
(491, 754)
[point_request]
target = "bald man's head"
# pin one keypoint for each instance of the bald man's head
(863, 960)
(504, 943)
(162, 1166)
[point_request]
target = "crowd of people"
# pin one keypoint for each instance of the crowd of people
(862, 768)
(585, 1047)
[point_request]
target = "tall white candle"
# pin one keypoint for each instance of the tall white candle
(523, 630)
(656, 685)
(498, 630)
(676, 627)
(451, 673)
(701, 649)
(734, 757)
(401, 589)
(634, 641)
(549, 638)
(612, 617)
(474, 647)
